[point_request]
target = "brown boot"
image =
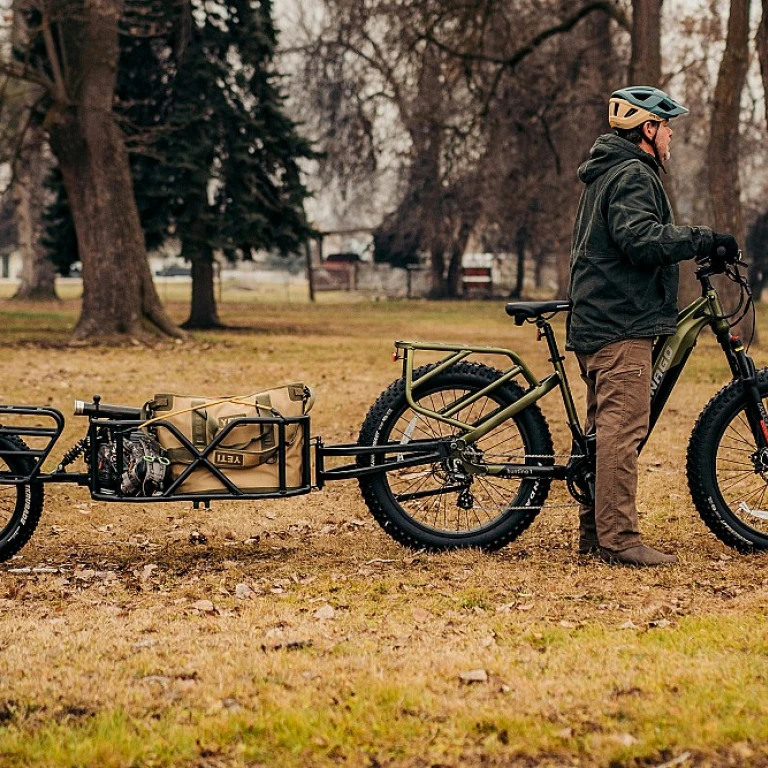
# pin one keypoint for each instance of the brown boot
(588, 543)
(639, 556)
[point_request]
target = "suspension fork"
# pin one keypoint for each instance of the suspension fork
(743, 370)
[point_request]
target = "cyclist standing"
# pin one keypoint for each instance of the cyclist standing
(623, 286)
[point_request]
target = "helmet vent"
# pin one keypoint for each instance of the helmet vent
(630, 112)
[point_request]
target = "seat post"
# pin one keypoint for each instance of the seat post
(545, 330)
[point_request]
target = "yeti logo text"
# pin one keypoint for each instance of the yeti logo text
(231, 459)
(664, 363)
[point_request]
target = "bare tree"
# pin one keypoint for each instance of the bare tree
(645, 59)
(72, 57)
(724, 145)
(30, 167)
(469, 85)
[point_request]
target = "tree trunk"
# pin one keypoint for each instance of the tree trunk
(203, 312)
(437, 289)
(645, 59)
(724, 187)
(38, 275)
(762, 52)
(119, 297)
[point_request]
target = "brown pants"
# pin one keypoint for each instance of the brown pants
(618, 379)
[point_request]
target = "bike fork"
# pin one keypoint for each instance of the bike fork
(743, 368)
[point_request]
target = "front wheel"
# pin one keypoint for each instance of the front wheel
(440, 506)
(727, 472)
(20, 505)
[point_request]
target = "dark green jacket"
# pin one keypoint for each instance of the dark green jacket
(624, 272)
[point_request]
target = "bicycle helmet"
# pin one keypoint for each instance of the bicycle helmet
(633, 106)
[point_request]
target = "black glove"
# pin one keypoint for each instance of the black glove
(725, 249)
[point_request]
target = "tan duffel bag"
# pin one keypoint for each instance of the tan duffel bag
(249, 454)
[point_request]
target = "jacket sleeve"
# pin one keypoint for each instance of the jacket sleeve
(634, 216)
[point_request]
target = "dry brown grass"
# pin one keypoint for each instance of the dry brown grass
(107, 661)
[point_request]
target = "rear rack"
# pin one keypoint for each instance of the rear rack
(44, 438)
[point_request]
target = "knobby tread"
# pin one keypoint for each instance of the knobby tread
(700, 466)
(391, 402)
(11, 544)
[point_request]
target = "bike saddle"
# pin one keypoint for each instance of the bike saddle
(532, 310)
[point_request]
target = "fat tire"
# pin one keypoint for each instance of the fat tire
(707, 433)
(29, 501)
(531, 495)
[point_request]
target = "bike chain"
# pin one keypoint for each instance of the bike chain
(539, 456)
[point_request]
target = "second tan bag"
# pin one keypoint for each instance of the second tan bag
(249, 454)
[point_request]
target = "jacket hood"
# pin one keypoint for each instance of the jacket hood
(607, 152)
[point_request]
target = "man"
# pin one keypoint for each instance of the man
(624, 278)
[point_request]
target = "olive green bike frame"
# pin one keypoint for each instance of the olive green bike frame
(669, 358)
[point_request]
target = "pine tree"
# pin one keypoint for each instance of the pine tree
(217, 160)
(232, 154)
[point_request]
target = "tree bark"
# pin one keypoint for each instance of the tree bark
(119, 297)
(724, 186)
(38, 275)
(645, 59)
(203, 312)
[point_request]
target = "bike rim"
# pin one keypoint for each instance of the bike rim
(433, 496)
(10, 495)
(742, 485)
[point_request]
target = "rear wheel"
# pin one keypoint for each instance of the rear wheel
(20, 505)
(439, 505)
(727, 473)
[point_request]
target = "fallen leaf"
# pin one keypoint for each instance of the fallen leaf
(326, 612)
(568, 624)
(243, 592)
(628, 625)
(473, 676)
(660, 623)
(147, 570)
(625, 739)
(205, 606)
(198, 538)
(526, 607)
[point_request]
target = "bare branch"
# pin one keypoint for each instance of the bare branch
(60, 94)
(23, 72)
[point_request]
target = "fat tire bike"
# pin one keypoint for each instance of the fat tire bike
(463, 456)
(456, 453)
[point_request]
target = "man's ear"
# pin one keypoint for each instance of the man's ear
(648, 131)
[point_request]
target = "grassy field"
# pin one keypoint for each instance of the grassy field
(123, 641)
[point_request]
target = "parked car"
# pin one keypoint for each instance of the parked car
(174, 270)
(346, 257)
